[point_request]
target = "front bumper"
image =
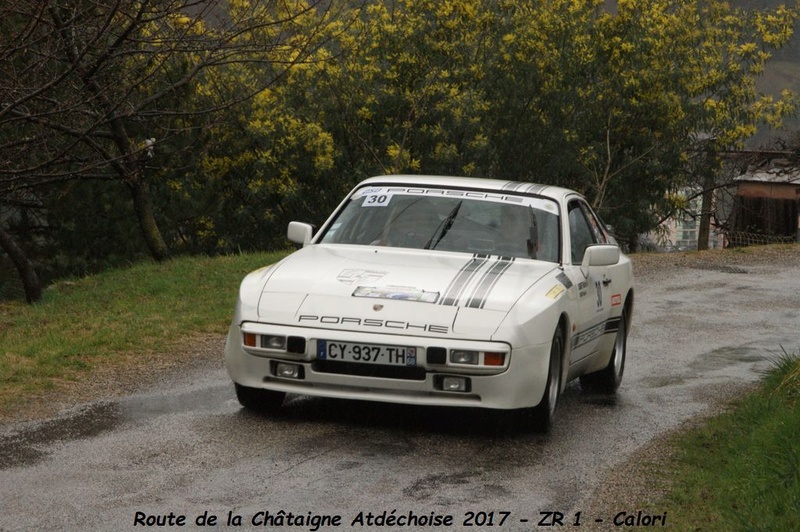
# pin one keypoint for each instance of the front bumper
(519, 383)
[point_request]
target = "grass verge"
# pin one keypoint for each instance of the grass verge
(115, 319)
(741, 470)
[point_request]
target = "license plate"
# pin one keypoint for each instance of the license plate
(390, 355)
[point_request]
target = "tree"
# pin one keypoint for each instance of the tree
(403, 88)
(262, 160)
(565, 93)
(233, 116)
(94, 90)
(611, 103)
(396, 88)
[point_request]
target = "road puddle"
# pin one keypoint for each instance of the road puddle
(664, 381)
(31, 442)
(725, 357)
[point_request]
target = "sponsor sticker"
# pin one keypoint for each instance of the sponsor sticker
(402, 293)
(598, 285)
(556, 291)
(564, 279)
(616, 300)
(352, 276)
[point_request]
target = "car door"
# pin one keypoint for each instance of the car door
(592, 284)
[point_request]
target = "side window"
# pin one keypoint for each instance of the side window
(597, 227)
(580, 231)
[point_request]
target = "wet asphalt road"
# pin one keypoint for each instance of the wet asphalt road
(185, 447)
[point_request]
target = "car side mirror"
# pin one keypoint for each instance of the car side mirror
(300, 233)
(599, 255)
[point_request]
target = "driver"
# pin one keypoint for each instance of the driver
(410, 224)
(518, 235)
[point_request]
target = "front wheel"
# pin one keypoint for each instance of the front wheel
(608, 379)
(259, 400)
(543, 414)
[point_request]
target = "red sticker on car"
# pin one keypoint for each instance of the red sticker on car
(616, 300)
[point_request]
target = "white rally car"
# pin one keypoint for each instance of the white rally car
(438, 291)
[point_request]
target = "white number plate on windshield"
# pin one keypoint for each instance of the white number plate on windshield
(389, 355)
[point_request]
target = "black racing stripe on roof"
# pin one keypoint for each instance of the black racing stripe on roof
(535, 189)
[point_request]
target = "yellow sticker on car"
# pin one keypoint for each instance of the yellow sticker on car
(555, 291)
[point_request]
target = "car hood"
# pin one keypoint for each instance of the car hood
(423, 291)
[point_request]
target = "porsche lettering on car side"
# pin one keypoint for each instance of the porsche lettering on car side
(444, 291)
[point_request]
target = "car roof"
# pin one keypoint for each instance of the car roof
(500, 185)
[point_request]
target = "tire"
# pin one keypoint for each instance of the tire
(607, 380)
(258, 400)
(543, 414)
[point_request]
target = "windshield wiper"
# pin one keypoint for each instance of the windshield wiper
(444, 227)
(533, 234)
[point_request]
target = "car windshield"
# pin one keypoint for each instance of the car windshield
(469, 221)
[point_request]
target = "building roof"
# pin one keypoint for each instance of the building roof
(777, 172)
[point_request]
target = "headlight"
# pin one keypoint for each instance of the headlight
(273, 342)
(460, 356)
(477, 358)
(264, 341)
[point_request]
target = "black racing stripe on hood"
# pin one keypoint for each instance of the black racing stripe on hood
(488, 282)
(462, 278)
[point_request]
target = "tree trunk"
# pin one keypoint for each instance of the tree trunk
(27, 273)
(705, 212)
(147, 221)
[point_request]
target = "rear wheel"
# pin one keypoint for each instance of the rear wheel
(259, 400)
(608, 379)
(543, 414)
